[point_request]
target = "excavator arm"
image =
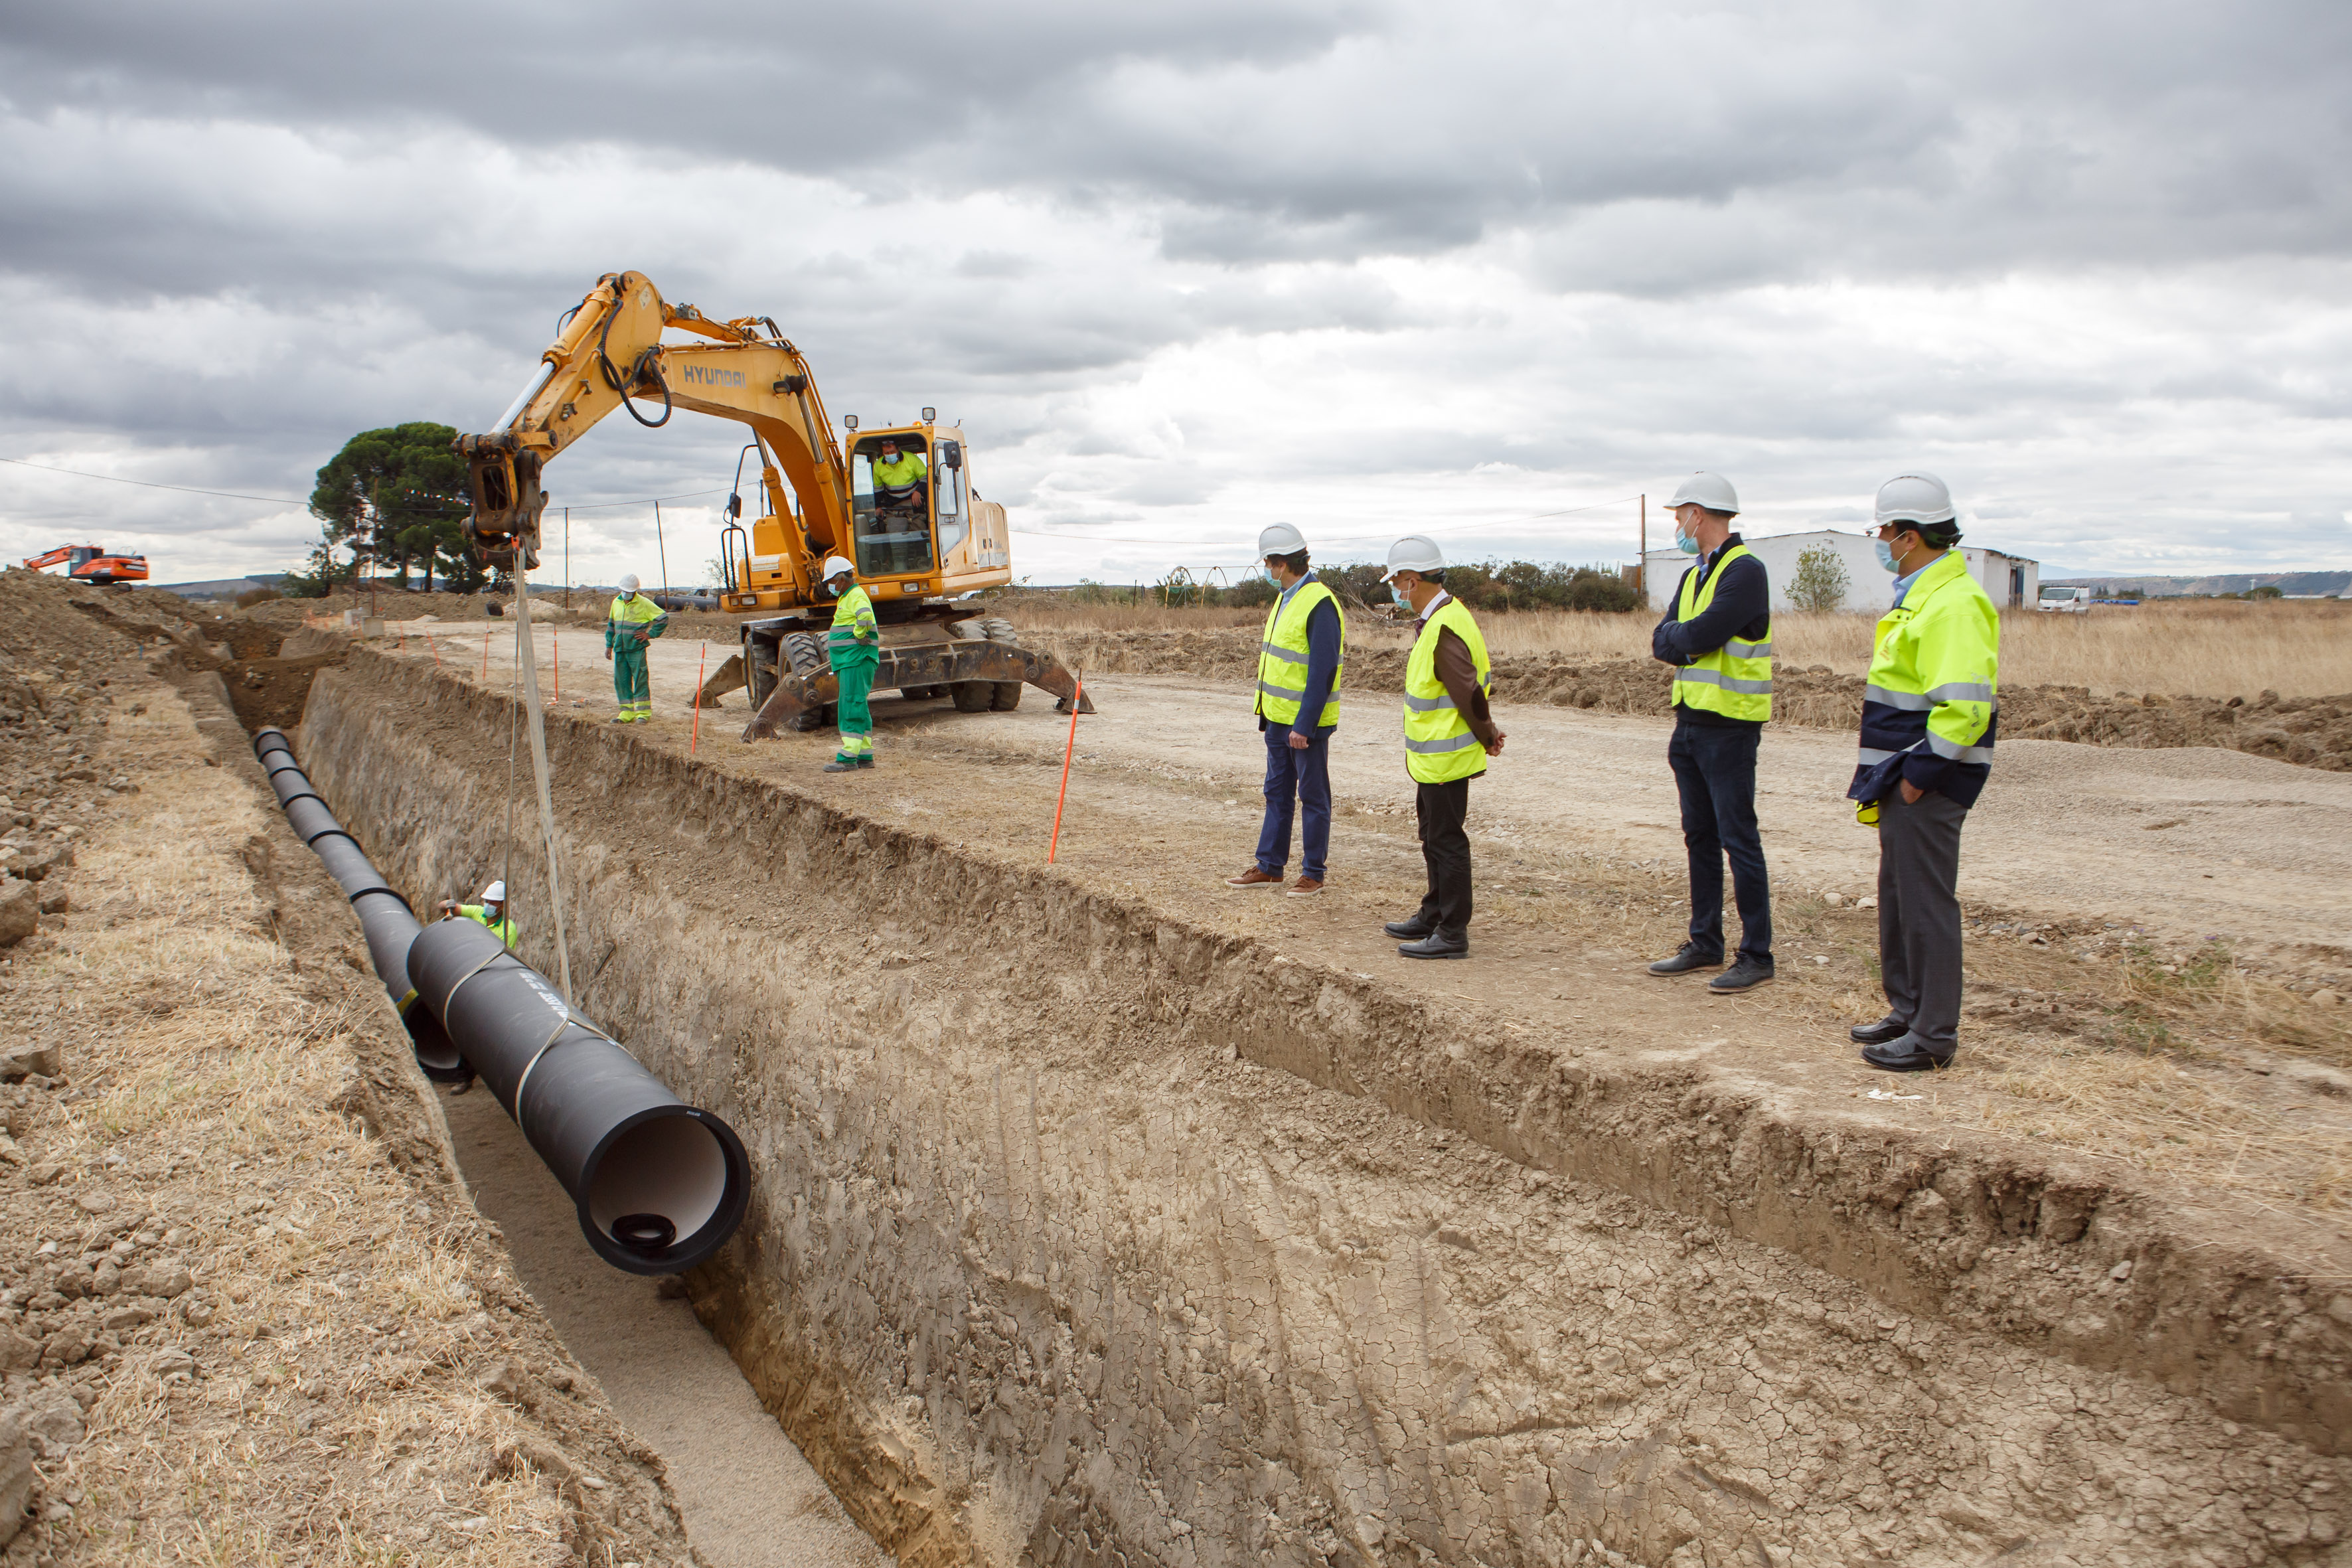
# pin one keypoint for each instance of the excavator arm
(608, 355)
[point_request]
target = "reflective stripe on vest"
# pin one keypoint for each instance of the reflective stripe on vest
(853, 615)
(1736, 679)
(1438, 745)
(1282, 653)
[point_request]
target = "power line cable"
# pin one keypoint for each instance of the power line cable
(1359, 538)
(289, 500)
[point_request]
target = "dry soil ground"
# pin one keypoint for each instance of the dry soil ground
(251, 1312)
(2155, 964)
(249, 1316)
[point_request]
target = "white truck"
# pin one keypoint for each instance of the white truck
(2071, 601)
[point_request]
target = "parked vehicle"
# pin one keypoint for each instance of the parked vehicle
(2074, 601)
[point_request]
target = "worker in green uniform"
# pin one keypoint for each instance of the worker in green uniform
(633, 622)
(854, 647)
(491, 911)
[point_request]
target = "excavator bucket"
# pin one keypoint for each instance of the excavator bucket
(507, 501)
(921, 664)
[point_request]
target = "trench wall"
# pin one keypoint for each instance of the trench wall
(1017, 1291)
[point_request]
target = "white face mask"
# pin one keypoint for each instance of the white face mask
(627, 594)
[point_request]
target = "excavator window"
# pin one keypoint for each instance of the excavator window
(891, 524)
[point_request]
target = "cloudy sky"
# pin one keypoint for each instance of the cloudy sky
(1488, 270)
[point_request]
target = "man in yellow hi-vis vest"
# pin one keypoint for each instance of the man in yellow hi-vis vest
(1718, 633)
(632, 623)
(1929, 711)
(1448, 736)
(1299, 664)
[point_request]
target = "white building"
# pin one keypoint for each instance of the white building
(2011, 580)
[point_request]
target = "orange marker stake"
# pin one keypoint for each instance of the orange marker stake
(486, 658)
(1068, 748)
(555, 661)
(434, 644)
(694, 738)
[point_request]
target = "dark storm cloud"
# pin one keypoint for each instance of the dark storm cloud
(1886, 140)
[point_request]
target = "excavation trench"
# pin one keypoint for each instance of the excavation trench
(1079, 1235)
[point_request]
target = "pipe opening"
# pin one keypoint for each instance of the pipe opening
(657, 1185)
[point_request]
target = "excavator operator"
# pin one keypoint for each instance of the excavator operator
(898, 477)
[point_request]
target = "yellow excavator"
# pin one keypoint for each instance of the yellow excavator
(919, 534)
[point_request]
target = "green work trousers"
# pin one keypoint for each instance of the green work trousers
(856, 672)
(632, 686)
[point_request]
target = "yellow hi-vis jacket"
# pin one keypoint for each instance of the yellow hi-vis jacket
(627, 616)
(1282, 658)
(1438, 745)
(853, 636)
(480, 915)
(1931, 698)
(908, 469)
(1736, 679)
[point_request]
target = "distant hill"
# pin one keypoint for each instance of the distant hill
(221, 587)
(2298, 585)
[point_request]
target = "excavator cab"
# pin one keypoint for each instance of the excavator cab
(890, 497)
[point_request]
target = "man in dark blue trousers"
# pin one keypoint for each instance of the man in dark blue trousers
(1718, 633)
(1297, 707)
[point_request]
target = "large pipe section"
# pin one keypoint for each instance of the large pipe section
(659, 1185)
(384, 916)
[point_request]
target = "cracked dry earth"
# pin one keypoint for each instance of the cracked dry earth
(1056, 1256)
(249, 1314)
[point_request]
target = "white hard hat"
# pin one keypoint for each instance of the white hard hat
(629, 584)
(1712, 492)
(834, 566)
(496, 893)
(1414, 552)
(1280, 540)
(1914, 498)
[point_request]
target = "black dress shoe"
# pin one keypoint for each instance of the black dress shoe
(1890, 1028)
(1744, 975)
(1908, 1053)
(1687, 958)
(1413, 929)
(1436, 944)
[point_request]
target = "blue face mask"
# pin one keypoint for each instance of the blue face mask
(1886, 557)
(1685, 543)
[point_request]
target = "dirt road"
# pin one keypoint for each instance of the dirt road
(2066, 832)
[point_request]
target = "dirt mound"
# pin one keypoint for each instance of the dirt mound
(2315, 732)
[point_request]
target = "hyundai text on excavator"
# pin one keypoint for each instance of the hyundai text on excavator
(918, 539)
(93, 564)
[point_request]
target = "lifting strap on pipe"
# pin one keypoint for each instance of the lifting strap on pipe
(527, 657)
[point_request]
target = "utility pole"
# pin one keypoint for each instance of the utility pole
(1642, 562)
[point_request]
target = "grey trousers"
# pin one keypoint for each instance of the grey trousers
(1919, 913)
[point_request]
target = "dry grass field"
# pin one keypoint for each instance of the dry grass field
(2201, 647)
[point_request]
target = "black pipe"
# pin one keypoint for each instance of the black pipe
(659, 1185)
(389, 923)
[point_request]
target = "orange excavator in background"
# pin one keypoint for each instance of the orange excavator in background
(919, 534)
(91, 563)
